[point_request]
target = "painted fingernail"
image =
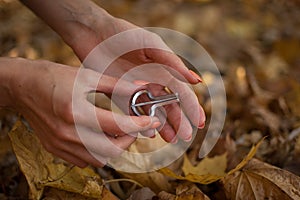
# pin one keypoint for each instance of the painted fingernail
(201, 126)
(140, 82)
(188, 139)
(196, 76)
(155, 124)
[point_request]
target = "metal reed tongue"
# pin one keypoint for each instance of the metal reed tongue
(154, 101)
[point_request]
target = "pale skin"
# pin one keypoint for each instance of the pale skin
(42, 90)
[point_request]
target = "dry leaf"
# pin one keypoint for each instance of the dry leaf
(40, 170)
(259, 180)
(166, 196)
(189, 191)
(199, 177)
(154, 180)
(216, 165)
(208, 176)
(185, 191)
(55, 194)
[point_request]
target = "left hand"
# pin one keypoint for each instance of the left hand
(177, 122)
(83, 25)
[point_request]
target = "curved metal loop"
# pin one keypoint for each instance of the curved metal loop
(155, 101)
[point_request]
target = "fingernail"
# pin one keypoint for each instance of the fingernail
(174, 140)
(155, 124)
(196, 76)
(188, 139)
(201, 126)
(153, 136)
(140, 82)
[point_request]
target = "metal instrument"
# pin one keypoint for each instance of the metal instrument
(156, 102)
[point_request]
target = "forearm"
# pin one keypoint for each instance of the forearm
(72, 19)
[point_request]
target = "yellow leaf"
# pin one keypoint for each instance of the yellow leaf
(40, 169)
(209, 170)
(216, 165)
(259, 180)
(154, 180)
(203, 179)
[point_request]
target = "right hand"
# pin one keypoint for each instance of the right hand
(42, 92)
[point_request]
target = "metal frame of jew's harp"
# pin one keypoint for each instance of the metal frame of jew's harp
(155, 101)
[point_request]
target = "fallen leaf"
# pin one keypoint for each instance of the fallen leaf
(189, 191)
(154, 180)
(184, 191)
(41, 171)
(216, 165)
(200, 173)
(206, 175)
(259, 180)
(246, 159)
(163, 195)
(55, 194)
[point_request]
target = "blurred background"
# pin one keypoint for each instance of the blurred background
(255, 44)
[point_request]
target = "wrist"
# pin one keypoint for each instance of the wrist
(9, 72)
(88, 24)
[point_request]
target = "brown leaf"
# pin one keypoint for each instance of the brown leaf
(55, 194)
(201, 174)
(184, 191)
(259, 180)
(41, 171)
(163, 195)
(154, 180)
(190, 191)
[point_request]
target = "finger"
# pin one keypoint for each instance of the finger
(189, 103)
(171, 60)
(179, 122)
(148, 133)
(155, 90)
(70, 147)
(161, 53)
(168, 133)
(175, 118)
(110, 122)
(102, 144)
(106, 84)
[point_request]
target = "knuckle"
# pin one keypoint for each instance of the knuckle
(68, 112)
(65, 111)
(62, 133)
(58, 131)
(142, 121)
(155, 37)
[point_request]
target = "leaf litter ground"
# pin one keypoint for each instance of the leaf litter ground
(256, 46)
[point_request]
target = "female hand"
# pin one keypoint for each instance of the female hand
(83, 25)
(155, 67)
(42, 92)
